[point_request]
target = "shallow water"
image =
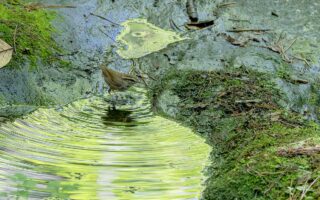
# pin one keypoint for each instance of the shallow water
(89, 151)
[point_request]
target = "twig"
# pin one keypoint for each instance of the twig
(37, 6)
(138, 74)
(299, 81)
(280, 37)
(105, 19)
(107, 35)
(14, 39)
(278, 47)
(309, 151)
(239, 20)
(289, 123)
(290, 45)
(302, 59)
(249, 101)
(291, 193)
(248, 30)
(234, 41)
(141, 78)
(226, 4)
(308, 188)
(68, 54)
(59, 6)
(173, 25)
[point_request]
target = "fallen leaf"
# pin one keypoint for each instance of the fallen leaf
(234, 41)
(5, 53)
(199, 25)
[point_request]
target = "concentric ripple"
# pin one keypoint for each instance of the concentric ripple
(89, 150)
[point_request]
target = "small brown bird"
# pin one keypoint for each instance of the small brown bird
(117, 80)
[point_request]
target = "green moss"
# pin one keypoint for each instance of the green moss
(254, 170)
(29, 32)
(239, 114)
(283, 71)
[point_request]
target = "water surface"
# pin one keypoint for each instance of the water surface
(89, 150)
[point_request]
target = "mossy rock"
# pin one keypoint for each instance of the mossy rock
(29, 32)
(240, 114)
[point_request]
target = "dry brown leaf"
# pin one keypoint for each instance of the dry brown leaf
(5, 53)
(199, 25)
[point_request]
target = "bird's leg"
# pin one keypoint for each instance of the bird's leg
(112, 107)
(116, 98)
(133, 66)
(113, 104)
(113, 101)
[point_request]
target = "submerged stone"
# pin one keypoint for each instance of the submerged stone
(140, 38)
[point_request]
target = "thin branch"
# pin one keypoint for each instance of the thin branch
(280, 37)
(173, 25)
(248, 30)
(291, 194)
(302, 59)
(37, 6)
(227, 4)
(101, 17)
(308, 188)
(59, 6)
(290, 45)
(249, 101)
(299, 151)
(239, 20)
(107, 35)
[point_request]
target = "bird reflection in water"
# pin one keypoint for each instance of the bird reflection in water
(114, 115)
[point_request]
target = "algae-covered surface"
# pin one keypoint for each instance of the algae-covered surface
(140, 38)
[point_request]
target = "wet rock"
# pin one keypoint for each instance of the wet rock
(167, 103)
(205, 52)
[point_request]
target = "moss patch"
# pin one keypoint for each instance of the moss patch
(239, 113)
(29, 32)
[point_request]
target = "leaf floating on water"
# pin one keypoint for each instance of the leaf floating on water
(140, 38)
(5, 53)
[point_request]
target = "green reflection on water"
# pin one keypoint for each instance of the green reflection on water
(89, 151)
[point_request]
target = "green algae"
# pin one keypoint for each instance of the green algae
(141, 38)
(29, 32)
(240, 115)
